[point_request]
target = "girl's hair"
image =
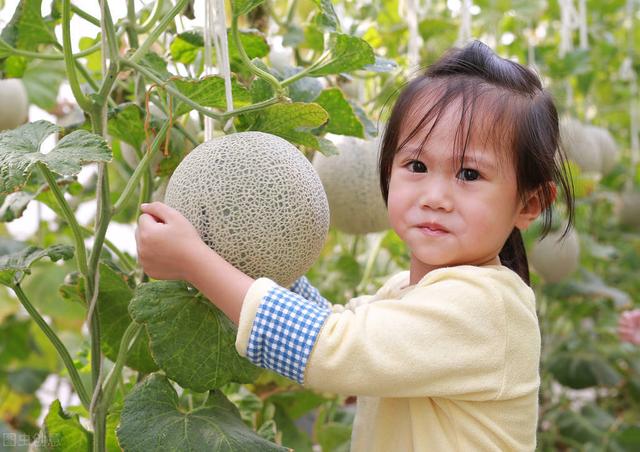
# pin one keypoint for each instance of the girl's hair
(504, 103)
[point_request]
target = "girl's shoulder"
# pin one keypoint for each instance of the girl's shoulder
(497, 276)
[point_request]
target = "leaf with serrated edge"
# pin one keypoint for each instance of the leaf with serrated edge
(342, 118)
(209, 92)
(191, 340)
(14, 266)
(348, 53)
(292, 122)
(62, 432)
(20, 151)
(152, 419)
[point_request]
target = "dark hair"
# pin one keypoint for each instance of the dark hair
(522, 117)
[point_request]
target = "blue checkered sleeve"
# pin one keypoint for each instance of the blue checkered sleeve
(284, 332)
(303, 287)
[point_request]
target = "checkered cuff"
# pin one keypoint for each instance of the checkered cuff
(303, 287)
(284, 332)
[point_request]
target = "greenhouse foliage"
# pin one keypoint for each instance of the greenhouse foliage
(301, 69)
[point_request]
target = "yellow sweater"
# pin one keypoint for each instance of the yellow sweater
(450, 364)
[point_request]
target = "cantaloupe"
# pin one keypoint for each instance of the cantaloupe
(628, 209)
(555, 261)
(14, 103)
(580, 145)
(256, 200)
(609, 152)
(351, 181)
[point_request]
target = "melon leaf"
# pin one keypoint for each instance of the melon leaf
(62, 432)
(209, 92)
(348, 53)
(14, 266)
(126, 122)
(215, 426)
(327, 19)
(27, 29)
(342, 118)
(191, 340)
(20, 152)
(292, 122)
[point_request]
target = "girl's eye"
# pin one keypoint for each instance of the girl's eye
(467, 174)
(416, 166)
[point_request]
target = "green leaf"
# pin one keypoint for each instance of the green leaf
(348, 53)
(327, 18)
(63, 432)
(342, 118)
(583, 370)
(27, 29)
(156, 64)
(191, 340)
(26, 380)
(210, 92)
(20, 151)
(292, 122)
(241, 7)
(126, 122)
(14, 205)
(42, 79)
(14, 266)
(305, 89)
(253, 42)
(152, 419)
(15, 343)
(183, 50)
(94, 60)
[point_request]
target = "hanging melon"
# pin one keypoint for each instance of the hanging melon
(580, 145)
(556, 260)
(628, 209)
(351, 181)
(256, 200)
(14, 103)
(609, 152)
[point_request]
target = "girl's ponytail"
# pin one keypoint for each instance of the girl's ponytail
(514, 255)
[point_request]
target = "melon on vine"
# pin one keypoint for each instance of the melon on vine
(351, 181)
(628, 209)
(609, 152)
(14, 103)
(580, 145)
(556, 260)
(256, 200)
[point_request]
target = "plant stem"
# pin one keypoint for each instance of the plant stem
(69, 61)
(158, 30)
(51, 56)
(157, 9)
(306, 70)
(57, 343)
(126, 261)
(85, 15)
(222, 117)
(131, 25)
(245, 59)
(373, 255)
(81, 253)
(128, 339)
(140, 169)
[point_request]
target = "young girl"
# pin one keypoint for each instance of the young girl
(444, 356)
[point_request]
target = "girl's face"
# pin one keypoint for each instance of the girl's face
(450, 216)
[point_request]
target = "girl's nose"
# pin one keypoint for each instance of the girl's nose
(436, 194)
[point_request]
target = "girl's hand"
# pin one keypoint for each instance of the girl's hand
(166, 242)
(629, 326)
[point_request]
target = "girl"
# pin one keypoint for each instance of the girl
(444, 356)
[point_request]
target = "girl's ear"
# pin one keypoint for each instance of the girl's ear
(534, 206)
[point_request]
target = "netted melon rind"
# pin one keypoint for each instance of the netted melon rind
(580, 145)
(257, 201)
(556, 260)
(351, 181)
(14, 103)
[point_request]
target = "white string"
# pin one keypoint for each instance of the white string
(464, 33)
(415, 40)
(568, 23)
(634, 108)
(582, 21)
(215, 20)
